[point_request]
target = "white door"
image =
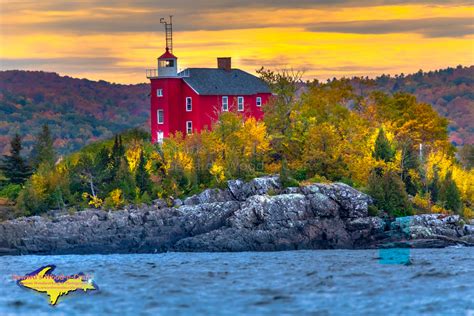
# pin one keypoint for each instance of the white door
(160, 137)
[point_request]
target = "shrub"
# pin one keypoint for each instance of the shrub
(10, 191)
(373, 210)
(389, 193)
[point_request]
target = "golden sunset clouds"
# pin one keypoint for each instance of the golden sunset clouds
(117, 40)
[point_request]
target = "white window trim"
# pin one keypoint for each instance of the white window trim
(158, 117)
(187, 127)
(190, 103)
(258, 101)
(240, 103)
(226, 98)
(159, 93)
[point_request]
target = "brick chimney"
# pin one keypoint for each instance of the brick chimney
(224, 63)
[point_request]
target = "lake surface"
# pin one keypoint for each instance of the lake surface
(333, 282)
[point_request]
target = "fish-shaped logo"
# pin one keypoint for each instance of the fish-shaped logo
(42, 280)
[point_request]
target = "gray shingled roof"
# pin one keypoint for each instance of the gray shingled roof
(213, 81)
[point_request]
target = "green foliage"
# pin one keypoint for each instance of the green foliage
(43, 150)
(434, 186)
(10, 191)
(13, 166)
(373, 210)
(326, 133)
(449, 195)
(383, 149)
(142, 178)
(389, 193)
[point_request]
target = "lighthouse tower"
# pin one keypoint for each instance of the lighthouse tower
(165, 90)
(189, 101)
(167, 65)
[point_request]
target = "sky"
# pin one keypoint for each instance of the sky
(117, 40)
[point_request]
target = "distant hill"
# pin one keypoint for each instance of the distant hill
(450, 91)
(78, 111)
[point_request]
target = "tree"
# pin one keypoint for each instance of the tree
(389, 193)
(278, 111)
(43, 150)
(383, 149)
(118, 151)
(449, 194)
(14, 166)
(142, 178)
(409, 165)
(434, 185)
(322, 153)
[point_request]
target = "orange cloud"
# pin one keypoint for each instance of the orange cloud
(97, 41)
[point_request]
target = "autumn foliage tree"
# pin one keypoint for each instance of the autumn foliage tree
(311, 132)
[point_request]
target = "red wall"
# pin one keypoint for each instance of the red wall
(205, 108)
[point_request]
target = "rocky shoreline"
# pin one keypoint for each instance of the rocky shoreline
(258, 215)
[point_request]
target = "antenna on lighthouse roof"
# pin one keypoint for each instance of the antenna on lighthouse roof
(169, 32)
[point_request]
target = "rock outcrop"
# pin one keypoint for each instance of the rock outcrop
(258, 215)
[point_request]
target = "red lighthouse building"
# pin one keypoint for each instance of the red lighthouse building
(190, 100)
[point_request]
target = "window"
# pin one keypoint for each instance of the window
(259, 101)
(189, 127)
(225, 104)
(189, 104)
(240, 103)
(160, 116)
(159, 92)
(166, 63)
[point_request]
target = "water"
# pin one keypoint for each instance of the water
(333, 282)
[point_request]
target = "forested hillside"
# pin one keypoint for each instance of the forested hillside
(78, 111)
(450, 91)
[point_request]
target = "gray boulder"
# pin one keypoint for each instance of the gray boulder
(353, 203)
(209, 196)
(241, 190)
(255, 216)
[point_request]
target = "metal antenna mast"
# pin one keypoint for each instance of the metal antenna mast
(169, 32)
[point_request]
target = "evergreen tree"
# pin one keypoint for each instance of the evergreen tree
(142, 178)
(14, 166)
(118, 152)
(409, 162)
(383, 149)
(102, 166)
(449, 194)
(43, 150)
(434, 185)
(124, 180)
(389, 193)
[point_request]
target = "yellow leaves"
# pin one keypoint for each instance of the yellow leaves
(422, 203)
(468, 213)
(217, 170)
(115, 199)
(464, 179)
(39, 184)
(94, 201)
(154, 156)
(185, 160)
(253, 137)
(133, 155)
